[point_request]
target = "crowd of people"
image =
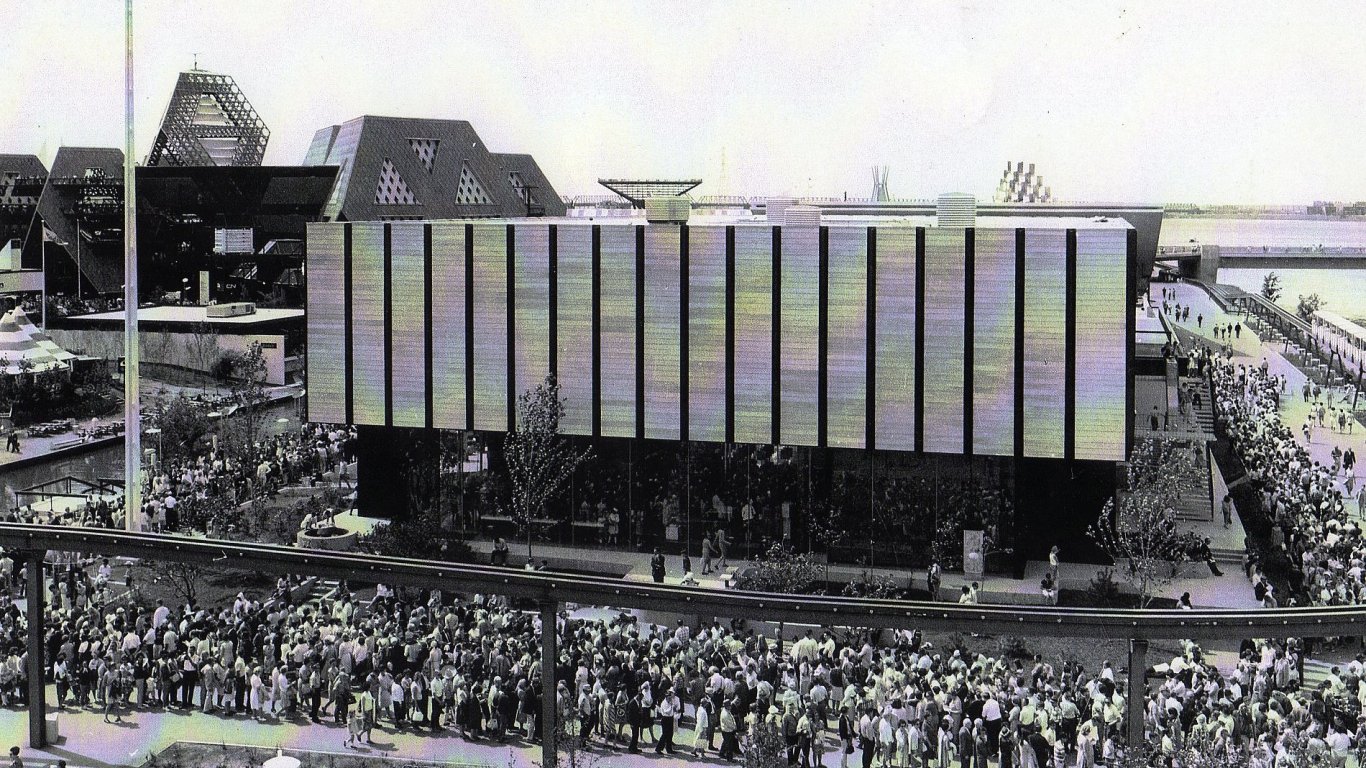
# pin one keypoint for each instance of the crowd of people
(1307, 501)
(433, 663)
(197, 490)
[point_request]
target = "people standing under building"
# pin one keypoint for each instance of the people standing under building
(657, 567)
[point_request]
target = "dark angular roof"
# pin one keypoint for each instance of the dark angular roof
(85, 188)
(394, 167)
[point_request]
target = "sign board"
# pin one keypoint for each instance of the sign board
(233, 241)
(204, 287)
(974, 559)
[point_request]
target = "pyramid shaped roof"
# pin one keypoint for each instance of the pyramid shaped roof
(22, 342)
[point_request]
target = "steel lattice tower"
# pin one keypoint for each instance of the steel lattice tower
(209, 122)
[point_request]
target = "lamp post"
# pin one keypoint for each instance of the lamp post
(157, 431)
(47, 236)
(217, 418)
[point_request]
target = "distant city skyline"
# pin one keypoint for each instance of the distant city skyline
(1217, 103)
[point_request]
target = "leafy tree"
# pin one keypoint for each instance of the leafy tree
(1271, 286)
(539, 460)
(182, 426)
(248, 393)
(1140, 533)
(1310, 304)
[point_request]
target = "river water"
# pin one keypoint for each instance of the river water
(1344, 289)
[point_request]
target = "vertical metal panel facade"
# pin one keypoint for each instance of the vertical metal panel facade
(1044, 339)
(326, 324)
(753, 334)
(473, 303)
(575, 327)
(846, 346)
(531, 352)
(367, 322)
(993, 377)
(662, 338)
(944, 281)
(490, 327)
(448, 326)
(618, 323)
(800, 313)
(707, 333)
(1101, 328)
(895, 370)
(409, 324)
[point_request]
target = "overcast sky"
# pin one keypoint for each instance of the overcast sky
(1147, 102)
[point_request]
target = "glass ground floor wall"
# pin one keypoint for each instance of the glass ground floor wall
(887, 509)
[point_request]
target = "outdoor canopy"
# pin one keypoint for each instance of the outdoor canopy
(26, 349)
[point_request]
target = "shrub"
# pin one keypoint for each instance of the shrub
(1103, 591)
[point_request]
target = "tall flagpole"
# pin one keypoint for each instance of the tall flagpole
(132, 418)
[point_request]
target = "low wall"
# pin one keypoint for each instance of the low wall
(178, 349)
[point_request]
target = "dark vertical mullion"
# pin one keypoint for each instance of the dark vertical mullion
(870, 347)
(469, 326)
(730, 334)
(683, 299)
(597, 330)
(1130, 299)
(969, 309)
(308, 413)
(511, 244)
(920, 339)
(776, 346)
(822, 338)
(428, 398)
(388, 326)
(1019, 341)
(1069, 426)
(553, 308)
(640, 332)
(348, 366)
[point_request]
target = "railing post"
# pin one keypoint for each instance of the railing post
(549, 708)
(1138, 690)
(37, 691)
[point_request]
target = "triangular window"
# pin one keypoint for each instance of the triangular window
(209, 111)
(425, 149)
(392, 189)
(469, 191)
(519, 186)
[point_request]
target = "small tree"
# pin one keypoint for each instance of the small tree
(1271, 286)
(1140, 533)
(181, 578)
(539, 460)
(248, 393)
(1310, 304)
(203, 349)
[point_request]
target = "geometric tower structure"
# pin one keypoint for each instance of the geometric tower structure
(1022, 185)
(637, 191)
(881, 192)
(208, 122)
